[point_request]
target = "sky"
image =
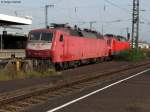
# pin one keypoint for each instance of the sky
(110, 16)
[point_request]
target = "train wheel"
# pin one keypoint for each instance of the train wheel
(111, 58)
(59, 66)
(79, 63)
(105, 58)
(108, 58)
(75, 64)
(70, 64)
(65, 64)
(97, 60)
(102, 59)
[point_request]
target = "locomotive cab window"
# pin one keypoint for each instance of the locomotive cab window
(43, 36)
(47, 37)
(34, 36)
(61, 39)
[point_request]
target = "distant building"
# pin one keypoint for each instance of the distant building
(143, 45)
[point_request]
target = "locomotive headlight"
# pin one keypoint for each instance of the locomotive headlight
(30, 46)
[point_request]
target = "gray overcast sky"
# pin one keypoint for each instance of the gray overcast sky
(80, 12)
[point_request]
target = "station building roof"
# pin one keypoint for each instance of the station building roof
(13, 20)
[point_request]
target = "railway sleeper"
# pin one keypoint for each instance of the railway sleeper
(9, 108)
(42, 98)
(32, 101)
(4, 110)
(23, 104)
(15, 107)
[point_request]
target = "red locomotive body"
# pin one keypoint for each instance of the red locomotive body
(117, 44)
(64, 46)
(77, 48)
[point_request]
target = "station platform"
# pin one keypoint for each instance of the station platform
(12, 44)
(7, 53)
(14, 20)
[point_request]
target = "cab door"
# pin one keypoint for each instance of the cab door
(61, 45)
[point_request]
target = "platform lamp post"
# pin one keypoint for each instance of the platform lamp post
(46, 13)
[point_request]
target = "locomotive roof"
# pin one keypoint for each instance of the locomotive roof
(118, 37)
(73, 31)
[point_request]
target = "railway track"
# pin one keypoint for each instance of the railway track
(23, 99)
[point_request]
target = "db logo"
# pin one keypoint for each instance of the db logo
(38, 46)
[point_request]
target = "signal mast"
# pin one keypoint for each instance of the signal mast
(135, 24)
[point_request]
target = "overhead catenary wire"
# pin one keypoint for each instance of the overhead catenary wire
(115, 5)
(124, 9)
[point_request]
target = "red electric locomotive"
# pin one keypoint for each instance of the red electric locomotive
(65, 46)
(117, 44)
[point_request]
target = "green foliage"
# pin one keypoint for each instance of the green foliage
(131, 55)
(146, 52)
